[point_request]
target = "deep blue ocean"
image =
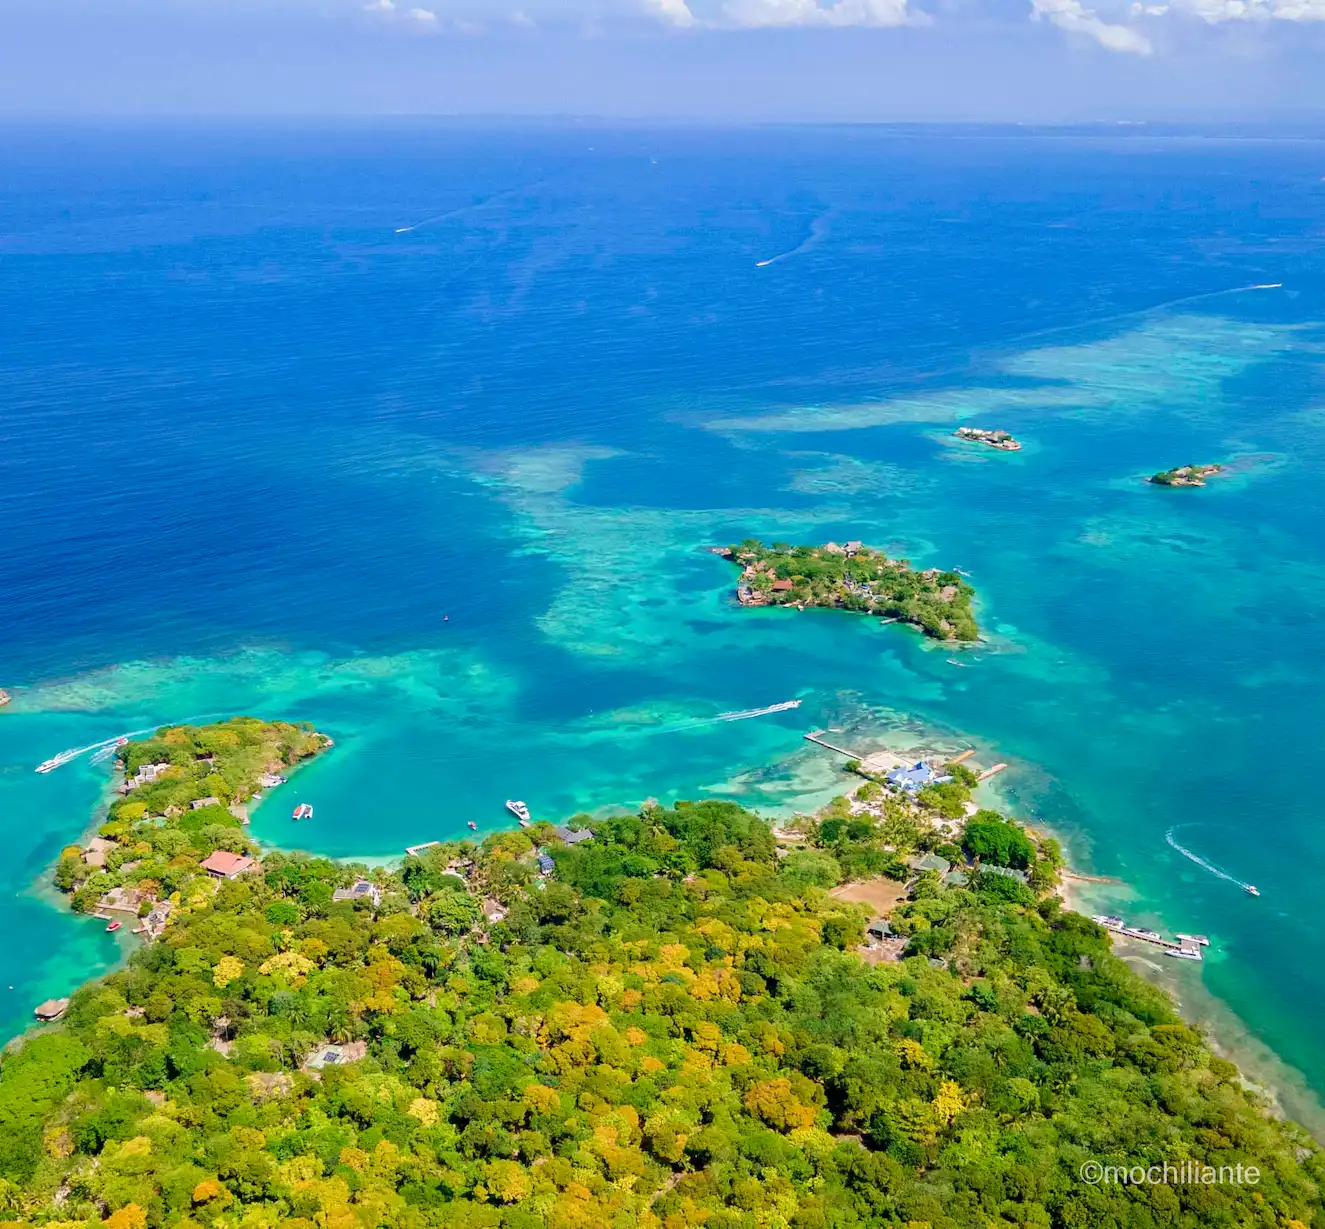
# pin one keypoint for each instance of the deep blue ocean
(419, 433)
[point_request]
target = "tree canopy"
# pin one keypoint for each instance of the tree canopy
(680, 1027)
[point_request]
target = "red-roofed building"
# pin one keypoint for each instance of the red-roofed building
(226, 865)
(782, 586)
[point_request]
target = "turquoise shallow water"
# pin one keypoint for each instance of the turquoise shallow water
(446, 493)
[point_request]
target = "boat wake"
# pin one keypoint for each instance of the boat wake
(746, 714)
(1217, 871)
(101, 752)
(819, 230)
(464, 209)
(688, 724)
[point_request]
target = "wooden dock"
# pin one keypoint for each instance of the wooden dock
(965, 755)
(823, 742)
(992, 772)
(1186, 946)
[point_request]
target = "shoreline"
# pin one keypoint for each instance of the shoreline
(1285, 1089)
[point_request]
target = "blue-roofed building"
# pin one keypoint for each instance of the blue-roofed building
(916, 777)
(545, 864)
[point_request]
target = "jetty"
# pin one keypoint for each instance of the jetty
(1079, 878)
(992, 772)
(823, 742)
(414, 851)
(1184, 947)
(965, 755)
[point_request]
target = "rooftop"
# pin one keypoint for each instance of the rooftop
(574, 837)
(227, 864)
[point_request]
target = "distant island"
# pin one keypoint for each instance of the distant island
(1001, 440)
(855, 577)
(1186, 475)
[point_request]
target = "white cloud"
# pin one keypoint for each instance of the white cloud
(672, 12)
(380, 6)
(1215, 11)
(754, 14)
(424, 17)
(1074, 17)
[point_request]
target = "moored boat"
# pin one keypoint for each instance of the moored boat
(519, 810)
(113, 927)
(303, 811)
(5, 697)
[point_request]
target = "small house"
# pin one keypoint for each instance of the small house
(545, 864)
(98, 849)
(123, 900)
(270, 780)
(932, 862)
(226, 865)
(155, 922)
(879, 930)
(51, 1009)
(783, 586)
(494, 910)
(574, 836)
(198, 803)
(916, 777)
(1007, 872)
(360, 889)
(336, 1055)
(852, 548)
(832, 548)
(145, 775)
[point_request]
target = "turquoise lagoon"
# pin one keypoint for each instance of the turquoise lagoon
(447, 493)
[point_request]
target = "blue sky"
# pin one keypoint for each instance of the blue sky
(1031, 60)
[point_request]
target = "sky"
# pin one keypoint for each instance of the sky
(1047, 61)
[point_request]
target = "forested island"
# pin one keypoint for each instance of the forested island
(855, 577)
(181, 816)
(672, 1022)
(1185, 475)
(1002, 440)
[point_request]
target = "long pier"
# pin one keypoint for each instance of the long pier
(823, 742)
(1186, 947)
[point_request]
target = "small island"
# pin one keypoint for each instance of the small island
(1002, 440)
(855, 577)
(180, 820)
(1186, 475)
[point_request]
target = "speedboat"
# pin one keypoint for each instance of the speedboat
(49, 765)
(519, 810)
(113, 927)
(303, 811)
(1251, 891)
(473, 826)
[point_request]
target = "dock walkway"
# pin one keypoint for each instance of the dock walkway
(823, 742)
(1186, 947)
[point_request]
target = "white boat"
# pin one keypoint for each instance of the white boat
(519, 810)
(50, 765)
(1181, 953)
(1246, 887)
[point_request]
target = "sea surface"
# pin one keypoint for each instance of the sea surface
(421, 432)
